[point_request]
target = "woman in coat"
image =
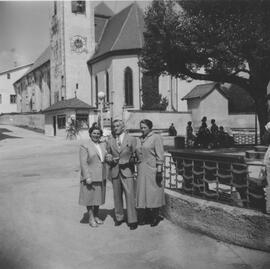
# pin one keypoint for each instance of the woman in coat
(150, 188)
(93, 175)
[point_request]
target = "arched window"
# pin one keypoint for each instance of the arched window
(128, 87)
(96, 83)
(107, 87)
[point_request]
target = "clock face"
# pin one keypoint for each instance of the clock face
(78, 44)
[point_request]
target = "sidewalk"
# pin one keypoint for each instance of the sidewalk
(40, 220)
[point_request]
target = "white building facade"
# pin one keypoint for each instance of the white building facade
(8, 99)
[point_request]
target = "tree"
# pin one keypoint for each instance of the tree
(218, 40)
(151, 98)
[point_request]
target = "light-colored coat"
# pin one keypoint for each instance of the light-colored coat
(90, 161)
(150, 153)
(125, 152)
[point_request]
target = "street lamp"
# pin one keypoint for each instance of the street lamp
(101, 97)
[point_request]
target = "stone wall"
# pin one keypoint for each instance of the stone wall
(235, 225)
(35, 120)
(161, 120)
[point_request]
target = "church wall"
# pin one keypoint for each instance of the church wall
(99, 69)
(119, 64)
(33, 90)
(175, 89)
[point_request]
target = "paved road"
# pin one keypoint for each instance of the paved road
(40, 219)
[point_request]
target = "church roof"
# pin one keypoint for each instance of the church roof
(73, 103)
(202, 90)
(123, 32)
(42, 59)
(103, 10)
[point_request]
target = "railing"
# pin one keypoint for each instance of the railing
(245, 136)
(223, 179)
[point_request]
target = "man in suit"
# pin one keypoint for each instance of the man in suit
(120, 148)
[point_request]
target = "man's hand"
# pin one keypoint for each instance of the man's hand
(159, 179)
(108, 158)
(89, 181)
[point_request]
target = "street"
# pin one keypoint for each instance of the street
(40, 219)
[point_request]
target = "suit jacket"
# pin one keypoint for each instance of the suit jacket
(125, 152)
(90, 161)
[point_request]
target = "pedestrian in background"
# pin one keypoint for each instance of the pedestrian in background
(172, 130)
(93, 175)
(150, 185)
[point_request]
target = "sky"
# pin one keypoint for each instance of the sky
(24, 29)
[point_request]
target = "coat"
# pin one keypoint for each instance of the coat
(90, 161)
(150, 153)
(124, 154)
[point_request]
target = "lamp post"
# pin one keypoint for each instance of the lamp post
(101, 97)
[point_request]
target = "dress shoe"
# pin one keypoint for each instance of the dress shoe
(93, 223)
(98, 220)
(118, 222)
(155, 222)
(133, 226)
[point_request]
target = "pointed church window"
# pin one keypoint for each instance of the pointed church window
(128, 87)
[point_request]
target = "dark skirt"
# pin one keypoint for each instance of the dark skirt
(93, 194)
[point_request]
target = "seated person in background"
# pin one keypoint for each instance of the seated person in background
(190, 137)
(214, 133)
(224, 139)
(172, 130)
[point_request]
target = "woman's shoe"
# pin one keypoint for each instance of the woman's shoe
(98, 220)
(93, 223)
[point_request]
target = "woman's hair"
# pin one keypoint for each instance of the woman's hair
(93, 127)
(148, 123)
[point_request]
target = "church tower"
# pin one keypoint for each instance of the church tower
(72, 43)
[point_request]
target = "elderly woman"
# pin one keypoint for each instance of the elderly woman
(93, 175)
(150, 188)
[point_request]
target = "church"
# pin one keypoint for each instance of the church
(91, 50)
(91, 68)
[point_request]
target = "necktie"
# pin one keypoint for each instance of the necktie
(118, 142)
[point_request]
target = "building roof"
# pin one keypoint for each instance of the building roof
(123, 32)
(73, 103)
(42, 59)
(239, 100)
(202, 90)
(103, 10)
(15, 68)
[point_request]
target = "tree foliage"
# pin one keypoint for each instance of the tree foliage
(218, 40)
(151, 98)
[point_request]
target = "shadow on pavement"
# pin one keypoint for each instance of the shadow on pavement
(4, 136)
(4, 130)
(103, 213)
